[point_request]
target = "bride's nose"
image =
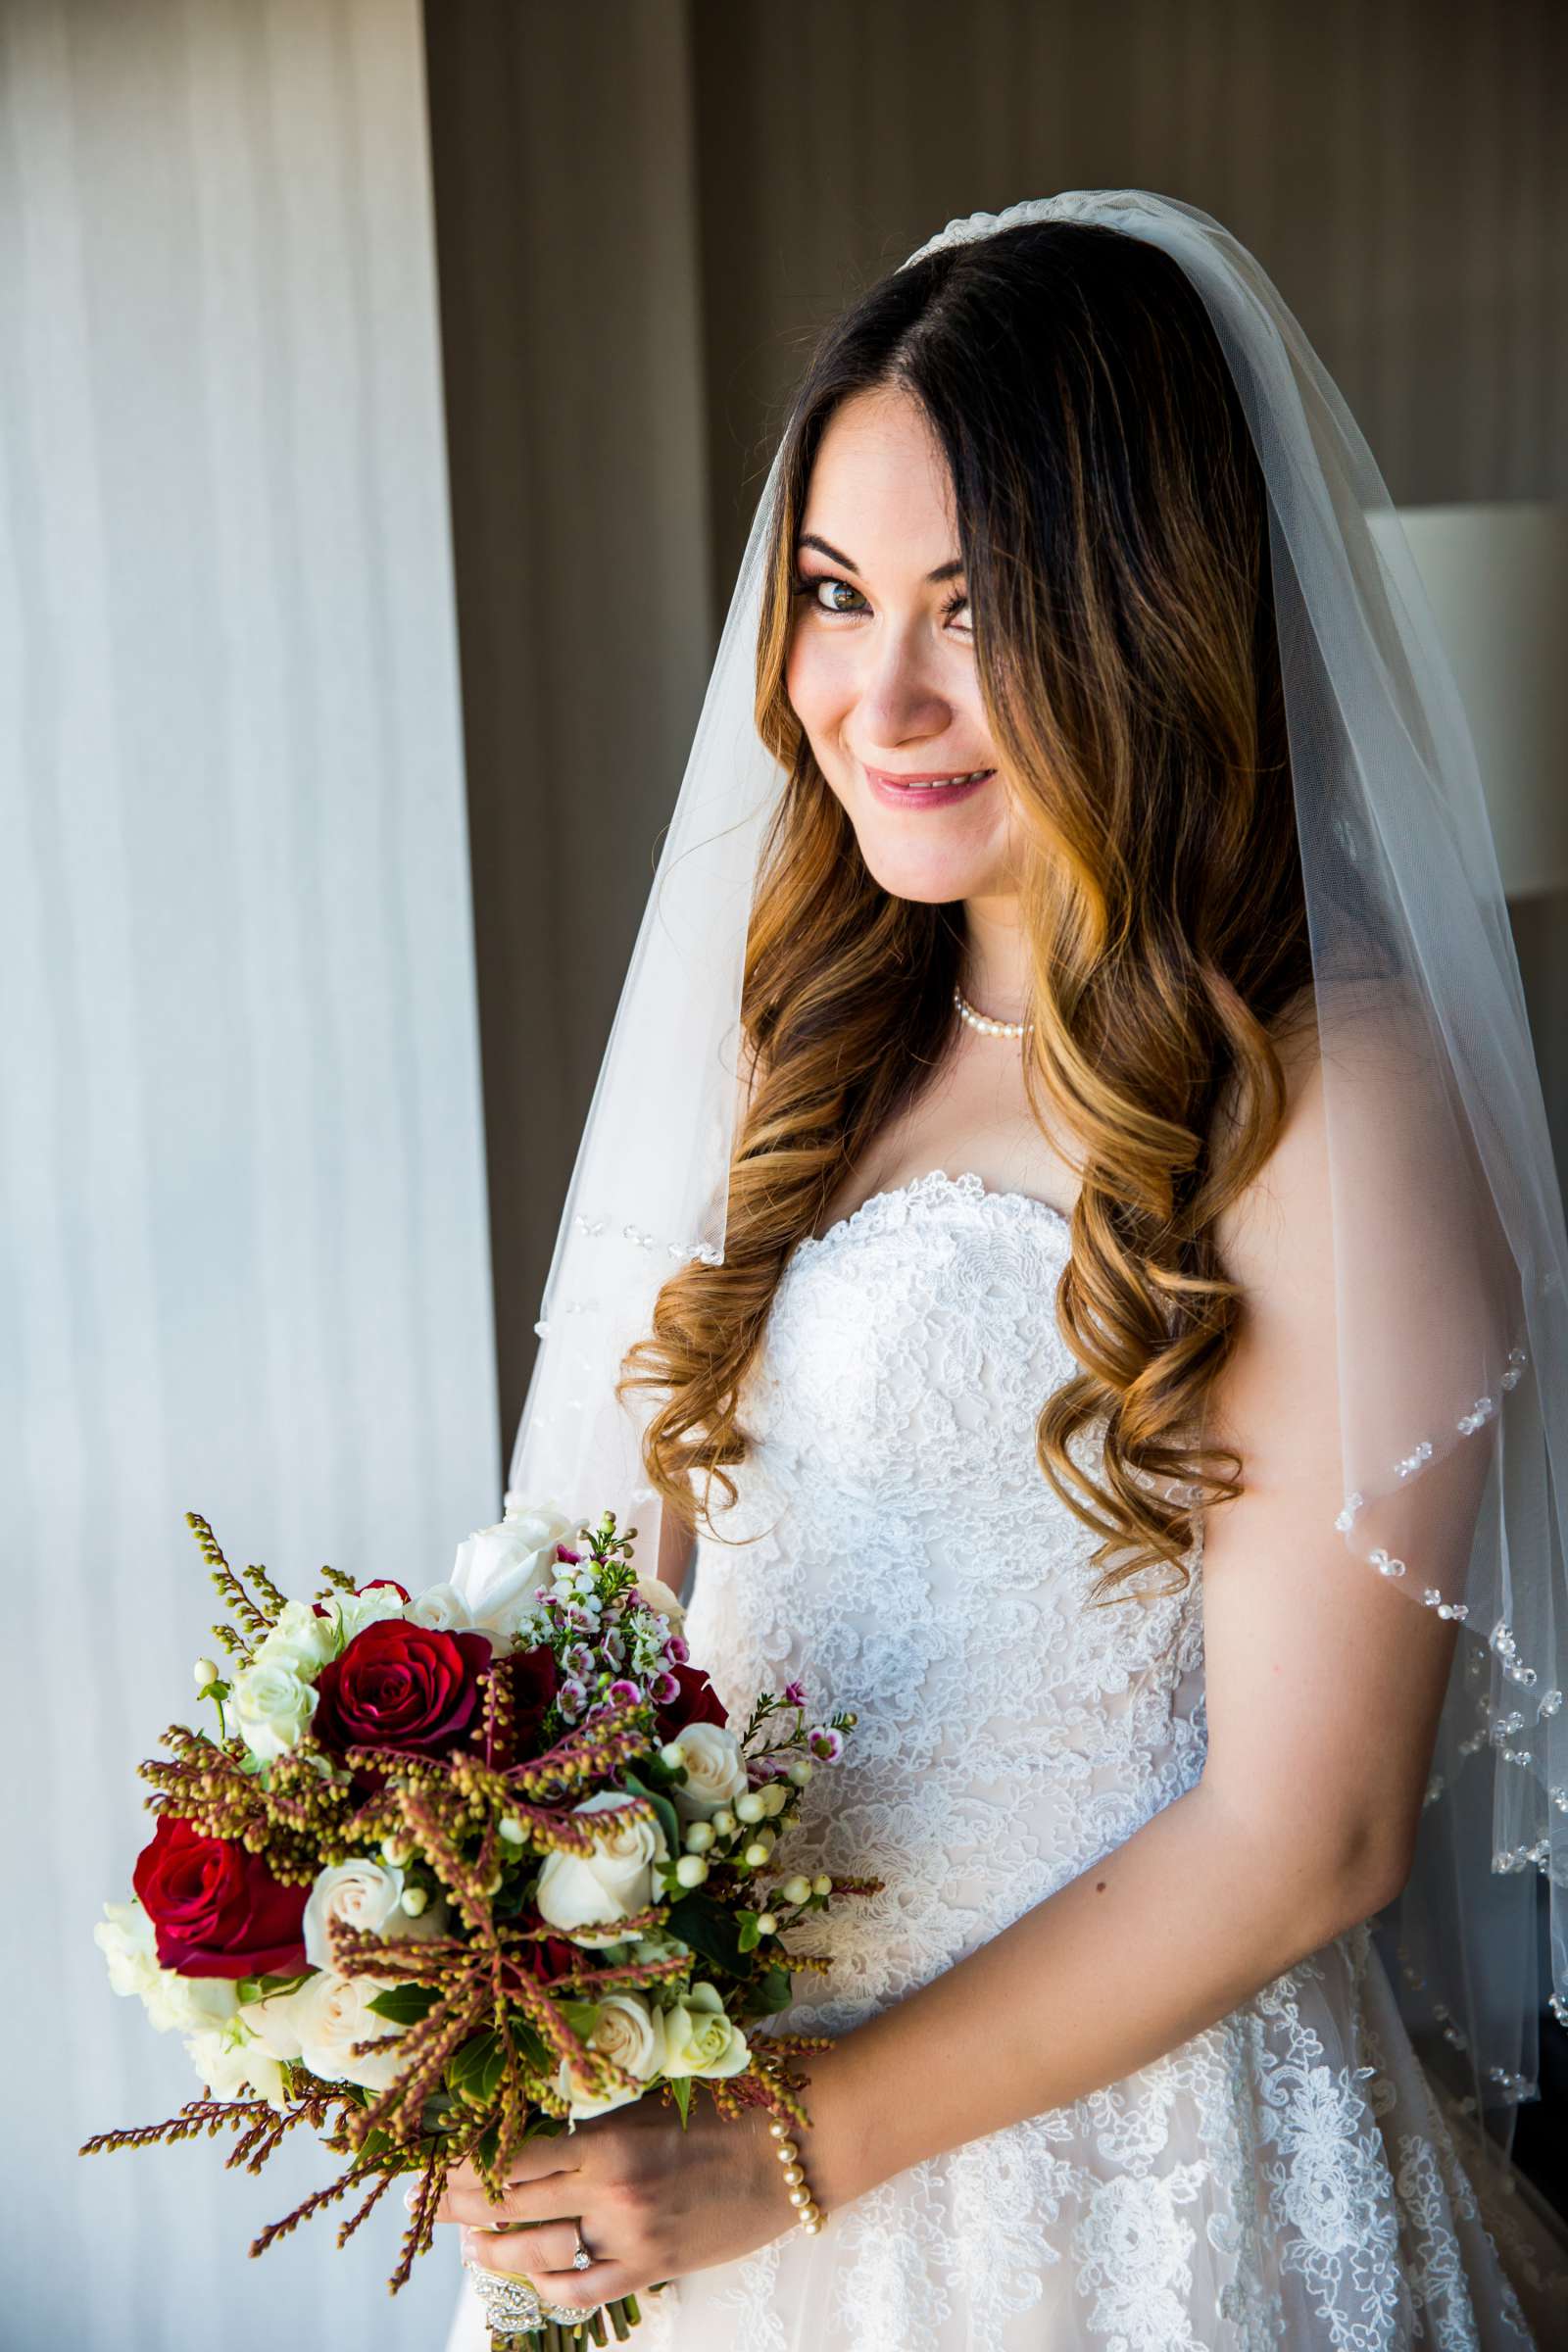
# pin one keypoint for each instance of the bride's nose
(900, 700)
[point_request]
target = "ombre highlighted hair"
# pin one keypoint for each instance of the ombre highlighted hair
(1113, 527)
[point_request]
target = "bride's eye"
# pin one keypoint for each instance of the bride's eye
(807, 583)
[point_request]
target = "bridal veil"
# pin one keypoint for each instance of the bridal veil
(1448, 1253)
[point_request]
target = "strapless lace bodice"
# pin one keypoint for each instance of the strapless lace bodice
(1285, 2182)
(911, 1561)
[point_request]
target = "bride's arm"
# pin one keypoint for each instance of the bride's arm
(676, 1540)
(1324, 1689)
(675, 1545)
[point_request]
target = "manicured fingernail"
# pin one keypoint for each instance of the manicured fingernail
(410, 2197)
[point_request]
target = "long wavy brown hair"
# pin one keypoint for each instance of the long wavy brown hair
(1113, 527)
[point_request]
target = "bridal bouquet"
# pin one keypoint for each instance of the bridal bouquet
(465, 1866)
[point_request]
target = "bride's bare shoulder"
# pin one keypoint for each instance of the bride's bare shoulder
(1294, 1174)
(1383, 1100)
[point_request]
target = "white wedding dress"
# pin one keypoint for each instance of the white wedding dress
(1290, 2178)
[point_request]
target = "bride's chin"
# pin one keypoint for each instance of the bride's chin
(932, 881)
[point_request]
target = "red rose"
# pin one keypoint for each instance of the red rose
(699, 1703)
(533, 1676)
(216, 1910)
(398, 1685)
(549, 1956)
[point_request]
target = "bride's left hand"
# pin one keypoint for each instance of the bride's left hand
(653, 2201)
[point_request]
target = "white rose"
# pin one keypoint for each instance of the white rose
(661, 1601)
(272, 1708)
(233, 2065)
(442, 1608)
(325, 2017)
(299, 1640)
(715, 1770)
(365, 1894)
(631, 2035)
(578, 1891)
(125, 1937)
(276, 2023)
(354, 1611)
(500, 1570)
(699, 2039)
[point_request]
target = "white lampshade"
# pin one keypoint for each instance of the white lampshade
(1496, 577)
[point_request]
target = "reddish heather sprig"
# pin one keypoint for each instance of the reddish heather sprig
(516, 2034)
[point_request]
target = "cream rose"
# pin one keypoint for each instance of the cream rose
(699, 2039)
(276, 2023)
(125, 1937)
(582, 1890)
(630, 2035)
(501, 1571)
(442, 1608)
(232, 2064)
(272, 1708)
(365, 1894)
(300, 1640)
(352, 1612)
(715, 1770)
(322, 2021)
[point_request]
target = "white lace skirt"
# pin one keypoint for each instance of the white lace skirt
(1289, 2181)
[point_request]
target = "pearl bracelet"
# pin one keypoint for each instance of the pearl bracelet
(787, 2151)
(789, 2156)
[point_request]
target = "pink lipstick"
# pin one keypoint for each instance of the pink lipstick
(923, 788)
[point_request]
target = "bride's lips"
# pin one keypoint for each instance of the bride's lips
(915, 790)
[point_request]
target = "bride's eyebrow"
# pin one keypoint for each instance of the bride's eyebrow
(943, 572)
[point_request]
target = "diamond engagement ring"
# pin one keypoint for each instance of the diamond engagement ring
(582, 2258)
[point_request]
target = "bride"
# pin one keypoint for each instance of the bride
(1110, 1207)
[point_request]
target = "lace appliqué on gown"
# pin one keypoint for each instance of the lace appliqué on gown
(1288, 2178)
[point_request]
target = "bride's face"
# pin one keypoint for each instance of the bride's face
(881, 667)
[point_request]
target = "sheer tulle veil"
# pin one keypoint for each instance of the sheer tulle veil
(1449, 1247)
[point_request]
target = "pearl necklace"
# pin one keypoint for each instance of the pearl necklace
(977, 1021)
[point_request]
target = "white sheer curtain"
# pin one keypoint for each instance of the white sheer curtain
(245, 1266)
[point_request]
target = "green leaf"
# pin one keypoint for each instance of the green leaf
(681, 2086)
(772, 1990)
(475, 2070)
(746, 1922)
(708, 1928)
(530, 2046)
(404, 2004)
(261, 1988)
(580, 2016)
(662, 1805)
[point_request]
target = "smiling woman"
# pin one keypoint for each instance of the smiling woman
(1106, 1394)
(885, 687)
